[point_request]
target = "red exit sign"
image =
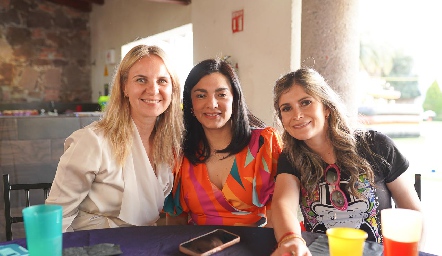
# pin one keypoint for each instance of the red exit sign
(237, 21)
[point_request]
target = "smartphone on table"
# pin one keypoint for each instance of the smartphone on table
(209, 243)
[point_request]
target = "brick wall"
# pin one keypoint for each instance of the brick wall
(44, 52)
(30, 149)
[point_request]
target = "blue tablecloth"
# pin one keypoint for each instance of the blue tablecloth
(164, 240)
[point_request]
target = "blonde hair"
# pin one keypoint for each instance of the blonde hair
(117, 121)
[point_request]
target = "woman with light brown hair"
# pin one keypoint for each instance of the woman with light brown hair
(117, 171)
(338, 176)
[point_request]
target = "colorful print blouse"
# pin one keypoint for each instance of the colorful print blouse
(362, 213)
(246, 194)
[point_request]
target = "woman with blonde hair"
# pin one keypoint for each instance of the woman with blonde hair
(117, 171)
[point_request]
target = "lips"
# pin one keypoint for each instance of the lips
(212, 114)
(301, 125)
(151, 101)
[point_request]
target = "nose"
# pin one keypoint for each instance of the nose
(152, 88)
(212, 102)
(297, 114)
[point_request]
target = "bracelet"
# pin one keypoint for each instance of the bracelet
(290, 236)
(286, 234)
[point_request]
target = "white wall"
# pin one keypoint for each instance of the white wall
(119, 22)
(263, 50)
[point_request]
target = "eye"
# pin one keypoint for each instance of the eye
(222, 95)
(285, 108)
(141, 80)
(200, 95)
(305, 103)
(163, 81)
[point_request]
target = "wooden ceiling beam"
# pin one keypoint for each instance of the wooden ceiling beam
(99, 2)
(183, 2)
(85, 6)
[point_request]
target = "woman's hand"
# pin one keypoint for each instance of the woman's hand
(291, 248)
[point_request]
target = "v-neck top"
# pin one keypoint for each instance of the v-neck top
(246, 194)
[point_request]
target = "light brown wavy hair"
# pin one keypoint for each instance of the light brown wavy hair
(342, 138)
(117, 121)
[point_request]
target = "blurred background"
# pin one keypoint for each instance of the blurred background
(402, 76)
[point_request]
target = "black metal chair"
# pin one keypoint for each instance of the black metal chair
(417, 185)
(7, 187)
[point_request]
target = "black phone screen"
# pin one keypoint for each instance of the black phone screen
(209, 241)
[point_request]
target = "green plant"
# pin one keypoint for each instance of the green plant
(433, 99)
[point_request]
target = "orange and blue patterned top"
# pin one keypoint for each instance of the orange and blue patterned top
(246, 194)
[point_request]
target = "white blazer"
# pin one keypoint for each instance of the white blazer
(96, 192)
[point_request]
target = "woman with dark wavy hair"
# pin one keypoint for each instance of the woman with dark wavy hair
(338, 176)
(227, 173)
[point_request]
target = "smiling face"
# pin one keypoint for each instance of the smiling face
(149, 88)
(212, 100)
(303, 116)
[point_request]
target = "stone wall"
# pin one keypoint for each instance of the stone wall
(44, 52)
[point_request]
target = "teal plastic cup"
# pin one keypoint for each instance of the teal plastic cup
(43, 225)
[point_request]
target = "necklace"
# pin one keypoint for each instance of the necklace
(219, 155)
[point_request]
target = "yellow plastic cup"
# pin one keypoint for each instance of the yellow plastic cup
(346, 241)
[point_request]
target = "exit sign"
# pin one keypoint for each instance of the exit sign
(237, 21)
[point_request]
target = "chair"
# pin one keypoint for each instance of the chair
(7, 187)
(417, 185)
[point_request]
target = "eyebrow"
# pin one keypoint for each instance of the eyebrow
(301, 99)
(306, 97)
(161, 77)
(217, 90)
